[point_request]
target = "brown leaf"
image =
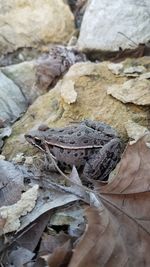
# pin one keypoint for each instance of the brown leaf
(133, 174)
(118, 232)
(56, 249)
(50, 242)
(30, 237)
(61, 256)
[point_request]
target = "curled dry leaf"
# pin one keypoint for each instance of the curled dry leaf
(118, 232)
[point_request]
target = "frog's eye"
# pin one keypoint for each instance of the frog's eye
(38, 141)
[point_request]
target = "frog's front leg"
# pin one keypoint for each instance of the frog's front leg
(103, 160)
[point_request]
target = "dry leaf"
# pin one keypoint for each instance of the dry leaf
(59, 199)
(60, 256)
(20, 256)
(118, 231)
(56, 250)
(30, 237)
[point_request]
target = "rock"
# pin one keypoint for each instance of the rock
(23, 75)
(135, 91)
(4, 132)
(91, 81)
(132, 71)
(134, 130)
(78, 8)
(116, 68)
(30, 23)
(20, 55)
(12, 101)
(68, 93)
(108, 25)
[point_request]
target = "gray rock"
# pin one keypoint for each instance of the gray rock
(23, 75)
(12, 101)
(108, 25)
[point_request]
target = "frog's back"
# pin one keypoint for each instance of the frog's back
(80, 135)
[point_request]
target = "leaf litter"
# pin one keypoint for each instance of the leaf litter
(117, 218)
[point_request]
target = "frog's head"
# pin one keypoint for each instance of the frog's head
(36, 138)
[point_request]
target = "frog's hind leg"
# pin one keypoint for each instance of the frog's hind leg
(103, 161)
(101, 127)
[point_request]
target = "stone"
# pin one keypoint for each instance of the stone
(133, 71)
(108, 25)
(134, 130)
(32, 23)
(12, 101)
(23, 75)
(135, 91)
(68, 93)
(131, 67)
(91, 81)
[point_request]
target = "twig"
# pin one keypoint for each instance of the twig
(128, 38)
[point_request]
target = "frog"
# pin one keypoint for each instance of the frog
(93, 147)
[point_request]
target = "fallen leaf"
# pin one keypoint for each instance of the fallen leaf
(118, 230)
(30, 237)
(59, 199)
(27, 239)
(56, 250)
(60, 256)
(20, 256)
(50, 242)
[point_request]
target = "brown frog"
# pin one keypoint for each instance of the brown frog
(92, 146)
